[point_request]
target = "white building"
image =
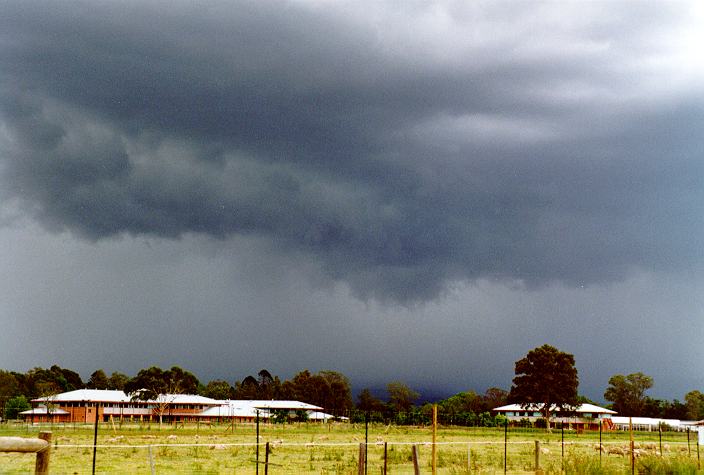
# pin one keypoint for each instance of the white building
(584, 416)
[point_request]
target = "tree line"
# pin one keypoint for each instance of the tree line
(548, 376)
(544, 375)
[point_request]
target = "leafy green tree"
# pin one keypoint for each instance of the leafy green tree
(494, 397)
(155, 384)
(267, 385)
(628, 393)
(367, 402)
(98, 380)
(674, 410)
(264, 386)
(9, 386)
(247, 389)
(401, 397)
(328, 389)
(694, 401)
(39, 382)
(280, 416)
(338, 392)
(546, 378)
(486, 420)
(218, 389)
(117, 381)
(68, 379)
(15, 405)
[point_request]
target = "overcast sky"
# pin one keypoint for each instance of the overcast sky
(410, 190)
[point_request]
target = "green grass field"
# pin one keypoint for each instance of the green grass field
(334, 449)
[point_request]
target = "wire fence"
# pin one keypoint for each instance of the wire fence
(336, 448)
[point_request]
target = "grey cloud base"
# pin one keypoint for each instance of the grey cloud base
(401, 151)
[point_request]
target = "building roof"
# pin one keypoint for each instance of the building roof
(250, 408)
(651, 421)
(233, 410)
(323, 416)
(582, 408)
(275, 405)
(115, 396)
(218, 408)
(92, 395)
(192, 399)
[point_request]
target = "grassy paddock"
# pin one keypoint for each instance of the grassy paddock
(334, 449)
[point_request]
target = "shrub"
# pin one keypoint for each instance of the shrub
(524, 423)
(15, 405)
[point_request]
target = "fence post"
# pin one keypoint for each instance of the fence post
(414, 453)
(41, 466)
(366, 439)
(660, 437)
(360, 460)
(266, 459)
(562, 438)
(151, 461)
(435, 433)
(601, 446)
(386, 446)
(95, 437)
(537, 455)
(257, 457)
(506, 447)
(633, 446)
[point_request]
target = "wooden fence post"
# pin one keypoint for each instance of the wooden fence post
(360, 462)
(151, 462)
(386, 457)
(435, 431)
(537, 455)
(41, 466)
(414, 453)
(266, 459)
(40, 446)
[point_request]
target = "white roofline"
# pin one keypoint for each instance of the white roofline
(591, 408)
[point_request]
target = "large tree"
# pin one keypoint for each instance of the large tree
(98, 380)
(401, 397)
(695, 405)
(628, 393)
(368, 402)
(546, 380)
(218, 389)
(159, 386)
(118, 380)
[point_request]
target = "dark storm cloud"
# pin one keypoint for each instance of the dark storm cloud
(402, 147)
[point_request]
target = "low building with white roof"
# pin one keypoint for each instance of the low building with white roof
(84, 405)
(584, 416)
(652, 424)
